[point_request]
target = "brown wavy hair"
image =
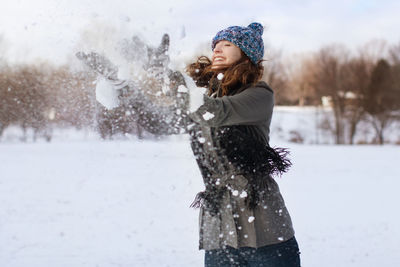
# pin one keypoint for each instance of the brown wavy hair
(240, 73)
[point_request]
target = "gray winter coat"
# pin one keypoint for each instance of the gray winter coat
(235, 225)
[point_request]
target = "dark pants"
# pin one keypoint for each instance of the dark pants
(285, 254)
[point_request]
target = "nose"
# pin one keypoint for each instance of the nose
(217, 48)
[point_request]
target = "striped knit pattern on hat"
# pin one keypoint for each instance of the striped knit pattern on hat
(248, 39)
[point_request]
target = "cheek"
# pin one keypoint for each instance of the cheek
(236, 55)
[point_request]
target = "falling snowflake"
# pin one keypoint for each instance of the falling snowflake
(182, 89)
(251, 219)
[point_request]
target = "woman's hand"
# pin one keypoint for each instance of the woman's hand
(99, 64)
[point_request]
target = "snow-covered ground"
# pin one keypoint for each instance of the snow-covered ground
(125, 203)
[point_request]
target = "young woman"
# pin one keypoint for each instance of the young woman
(243, 218)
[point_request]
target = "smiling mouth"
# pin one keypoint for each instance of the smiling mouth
(216, 59)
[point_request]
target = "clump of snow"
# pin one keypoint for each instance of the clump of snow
(251, 219)
(182, 89)
(196, 94)
(243, 194)
(235, 193)
(208, 116)
(202, 140)
(106, 94)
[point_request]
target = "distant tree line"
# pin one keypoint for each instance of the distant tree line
(360, 87)
(39, 98)
(43, 97)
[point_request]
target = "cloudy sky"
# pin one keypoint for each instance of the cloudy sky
(54, 29)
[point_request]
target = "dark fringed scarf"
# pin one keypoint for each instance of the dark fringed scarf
(245, 147)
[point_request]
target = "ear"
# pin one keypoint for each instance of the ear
(244, 58)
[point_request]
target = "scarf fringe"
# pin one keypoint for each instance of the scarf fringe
(278, 160)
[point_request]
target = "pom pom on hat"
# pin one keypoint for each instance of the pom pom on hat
(248, 39)
(257, 27)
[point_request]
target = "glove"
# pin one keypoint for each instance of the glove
(99, 64)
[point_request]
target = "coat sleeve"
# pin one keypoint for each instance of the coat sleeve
(153, 117)
(251, 106)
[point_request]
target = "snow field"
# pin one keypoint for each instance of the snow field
(97, 204)
(126, 203)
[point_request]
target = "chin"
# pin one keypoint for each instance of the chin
(219, 67)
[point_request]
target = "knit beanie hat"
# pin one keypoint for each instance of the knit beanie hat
(248, 39)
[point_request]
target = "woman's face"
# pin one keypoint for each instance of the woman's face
(225, 54)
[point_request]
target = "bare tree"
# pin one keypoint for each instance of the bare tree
(23, 99)
(39, 97)
(358, 72)
(394, 59)
(394, 54)
(328, 80)
(6, 117)
(382, 98)
(301, 75)
(72, 97)
(275, 75)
